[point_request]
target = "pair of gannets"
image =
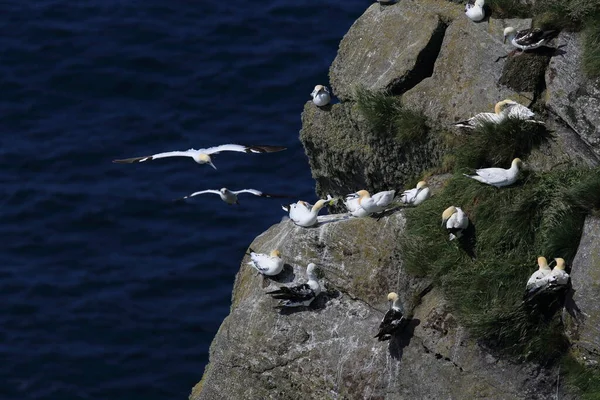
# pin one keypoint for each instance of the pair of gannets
(545, 276)
(502, 110)
(305, 214)
(474, 10)
(320, 96)
(299, 295)
(498, 177)
(203, 156)
(455, 221)
(393, 319)
(267, 264)
(528, 39)
(362, 204)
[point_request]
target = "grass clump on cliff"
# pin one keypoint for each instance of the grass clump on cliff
(591, 47)
(513, 226)
(585, 380)
(496, 144)
(386, 115)
(509, 9)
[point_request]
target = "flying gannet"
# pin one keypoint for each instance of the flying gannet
(305, 214)
(321, 96)
(203, 156)
(417, 195)
(393, 319)
(299, 295)
(498, 177)
(231, 197)
(455, 221)
(267, 264)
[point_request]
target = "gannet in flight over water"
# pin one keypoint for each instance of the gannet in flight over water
(321, 96)
(299, 295)
(202, 156)
(267, 264)
(417, 195)
(498, 177)
(393, 319)
(455, 221)
(231, 197)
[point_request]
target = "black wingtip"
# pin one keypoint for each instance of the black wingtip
(264, 149)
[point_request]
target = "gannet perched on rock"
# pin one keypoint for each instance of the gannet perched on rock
(512, 109)
(559, 276)
(417, 195)
(352, 204)
(498, 177)
(474, 10)
(304, 214)
(455, 221)
(377, 203)
(482, 118)
(267, 264)
(528, 39)
(300, 295)
(393, 319)
(321, 96)
(540, 277)
(202, 156)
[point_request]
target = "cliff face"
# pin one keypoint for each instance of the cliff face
(444, 66)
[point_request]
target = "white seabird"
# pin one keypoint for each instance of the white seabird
(231, 196)
(202, 156)
(498, 177)
(299, 295)
(393, 319)
(455, 221)
(559, 276)
(482, 118)
(376, 203)
(354, 207)
(540, 277)
(305, 214)
(512, 109)
(321, 96)
(528, 39)
(267, 264)
(417, 195)
(474, 10)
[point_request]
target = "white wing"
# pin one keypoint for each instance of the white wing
(409, 196)
(493, 175)
(242, 149)
(518, 111)
(482, 118)
(187, 153)
(384, 198)
(253, 191)
(202, 192)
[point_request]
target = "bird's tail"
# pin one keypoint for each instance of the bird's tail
(250, 251)
(535, 122)
(463, 124)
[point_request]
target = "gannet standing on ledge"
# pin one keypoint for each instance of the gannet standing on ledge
(321, 96)
(498, 177)
(377, 203)
(539, 278)
(455, 221)
(393, 319)
(304, 214)
(300, 295)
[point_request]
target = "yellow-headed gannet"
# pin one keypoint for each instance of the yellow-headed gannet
(474, 10)
(528, 39)
(498, 177)
(321, 96)
(231, 197)
(202, 156)
(455, 221)
(393, 319)
(376, 203)
(267, 264)
(417, 195)
(305, 214)
(299, 295)
(540, 277)
(559, 276)
(354, 207)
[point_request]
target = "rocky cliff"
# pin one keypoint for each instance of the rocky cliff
(444, 66)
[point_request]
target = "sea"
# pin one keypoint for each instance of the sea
(110, 289)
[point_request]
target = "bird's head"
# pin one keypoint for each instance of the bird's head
(318, 89)
(542, 262)
(560, 263)
(275, 253)
(421, 184)
(501, 105)
(517, 163)
(447, 214)
(479, 3)
(509, 32)
(205, 159)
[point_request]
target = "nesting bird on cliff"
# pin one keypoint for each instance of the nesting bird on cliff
(393, 320)
(539, 278)
(231, 197)
(455, 221)
(320, 96)
(417, 195)
(474, 10)
(352, 205)
(483, 118)
(305, 214)
(528, 39)
(558, 276)
(203, 156)
(267, 264)
(376, 203)
(498, 177)
(299, 295)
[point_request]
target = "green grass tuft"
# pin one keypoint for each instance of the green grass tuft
(388, 117)
(513, 226)
(585, 380)
(591, 46)
(497, 144)
(509, 9)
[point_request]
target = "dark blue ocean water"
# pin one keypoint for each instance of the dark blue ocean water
(108, 289)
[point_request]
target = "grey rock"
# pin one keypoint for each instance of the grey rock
(327, 351)
(585, 308)
(572, 96)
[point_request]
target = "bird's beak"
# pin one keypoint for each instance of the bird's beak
(212, 165)
(444, 222)
(504, 41)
